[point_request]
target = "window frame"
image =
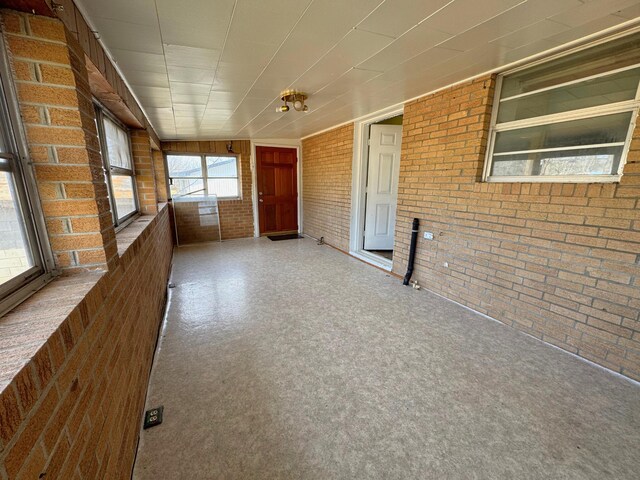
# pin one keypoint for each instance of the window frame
(626, 106)
(109, 170)
(203, 171)
(18, 164)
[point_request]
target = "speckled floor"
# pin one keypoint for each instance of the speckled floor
(289, 360)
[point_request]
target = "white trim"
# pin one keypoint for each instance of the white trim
(279, 143)
(373, 259)
(358, 180)
(582, 114)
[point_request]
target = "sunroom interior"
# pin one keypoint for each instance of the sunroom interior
(318, 239)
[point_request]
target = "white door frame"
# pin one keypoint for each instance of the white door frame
(280, 143)
(358, 184)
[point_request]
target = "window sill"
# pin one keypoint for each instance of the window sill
(51, 318)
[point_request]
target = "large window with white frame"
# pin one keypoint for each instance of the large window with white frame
(203, 174)
(568, 119)
(118, 164)
(25, 257)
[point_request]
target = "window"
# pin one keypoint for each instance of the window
(203, 175)
(25, 258)
(118, 165)
(569, 119)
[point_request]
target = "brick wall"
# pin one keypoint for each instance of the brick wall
(558, 261)
(145, 171)
(57, 113)
(75, 407)
(236, 216)
(160, 176)
(326, 185)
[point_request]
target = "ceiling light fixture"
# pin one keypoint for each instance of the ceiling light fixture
(295, 98)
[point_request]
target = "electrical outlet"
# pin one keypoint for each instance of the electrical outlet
(153, 417)
(428, 235)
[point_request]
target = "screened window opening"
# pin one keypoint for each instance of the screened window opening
(204, 175)
(568, 119)
(118, 164)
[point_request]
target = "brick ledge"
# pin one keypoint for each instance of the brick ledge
(41, 331)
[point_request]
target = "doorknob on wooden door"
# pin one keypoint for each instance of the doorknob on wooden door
(260, 200)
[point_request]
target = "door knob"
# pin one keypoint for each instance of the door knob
(260, 200)
(259, 193)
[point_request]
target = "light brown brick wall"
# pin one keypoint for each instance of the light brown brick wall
(160, 176)
(326, 185)
(58, 116)
(74, 409)
(236, 216)
(145, 174)
(558, 261)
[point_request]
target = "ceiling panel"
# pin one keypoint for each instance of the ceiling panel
(395, 17)
(217, 67)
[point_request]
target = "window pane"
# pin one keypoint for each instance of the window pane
(587, 161)
(599, 91)
(222, 167)
(186, 186)
(602, 58)
(589, 131)
(117, 145)
(123, 195)
(184, 165)
(15, 255)
(223, 187)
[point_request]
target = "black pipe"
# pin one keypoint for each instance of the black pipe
(412, 250)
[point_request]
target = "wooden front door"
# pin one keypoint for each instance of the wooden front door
(277, 189)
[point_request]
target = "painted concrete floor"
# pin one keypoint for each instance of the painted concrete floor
(289, 360)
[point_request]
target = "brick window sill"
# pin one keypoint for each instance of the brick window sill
(38, 336)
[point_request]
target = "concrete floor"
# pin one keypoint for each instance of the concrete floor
(289, 360)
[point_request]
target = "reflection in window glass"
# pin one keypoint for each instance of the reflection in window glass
(222, 167)
(589, 131)
(584, 161)
(184, 165)
(15, 256)
(123, 194)
(187, 186)
(218, 176)
(223, 187)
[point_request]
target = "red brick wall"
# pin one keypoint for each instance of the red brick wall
(58, 116)
(236, 216)
(75, 408)
(558, 261)
(326, 185)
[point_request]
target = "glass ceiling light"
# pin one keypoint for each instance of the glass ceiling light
(295, 98)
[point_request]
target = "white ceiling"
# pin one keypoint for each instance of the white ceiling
(206, 69)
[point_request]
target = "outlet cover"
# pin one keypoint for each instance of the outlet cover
(153, 417)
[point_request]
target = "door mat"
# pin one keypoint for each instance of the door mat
(291, 236)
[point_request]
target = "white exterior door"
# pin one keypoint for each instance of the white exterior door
(382, 186)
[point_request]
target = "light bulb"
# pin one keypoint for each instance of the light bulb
(297, 105)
